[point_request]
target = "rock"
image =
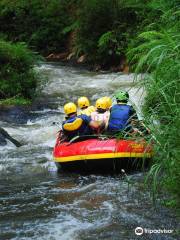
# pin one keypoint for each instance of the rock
(5, 135)
(57, 56)
(126, 69)
(14, 114)
(70, 56)
(81, 59)
(3, 141)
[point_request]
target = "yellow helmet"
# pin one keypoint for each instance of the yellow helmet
(70, 108)
(83, 102)
(101, 103)
(108, 101)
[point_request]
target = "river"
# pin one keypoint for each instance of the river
(37, 202)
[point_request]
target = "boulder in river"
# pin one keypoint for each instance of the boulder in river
(3, 141)
(14, 114)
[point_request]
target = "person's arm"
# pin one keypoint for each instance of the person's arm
(133, 115)
(90, 122)
(138, 125)
(143, 128)
(94, 124)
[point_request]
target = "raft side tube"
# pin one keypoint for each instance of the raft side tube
(109, 166)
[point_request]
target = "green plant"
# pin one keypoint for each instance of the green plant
(159, 56)
(105, 27)
(17, 74)
(39, 23)
(15, 101)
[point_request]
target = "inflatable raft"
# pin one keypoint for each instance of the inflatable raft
(101, 154)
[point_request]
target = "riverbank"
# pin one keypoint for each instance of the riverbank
(82, 61)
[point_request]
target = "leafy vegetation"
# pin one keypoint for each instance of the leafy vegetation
(102, 28)
(17, 76)
(105, 28)
(158, 53)
(38, 23)
(15, 101)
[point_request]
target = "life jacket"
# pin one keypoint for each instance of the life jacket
(75, 126)
(119, 116)
(87, 111)
(100, 117)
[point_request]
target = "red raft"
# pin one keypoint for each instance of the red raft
(100, 154)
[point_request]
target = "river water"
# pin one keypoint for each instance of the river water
(37, 202)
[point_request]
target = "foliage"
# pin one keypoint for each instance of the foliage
(105, 27)
(17, 76)
(38, 23)
(15, 101)
(159, 55)
(108, 44)
(102, 28)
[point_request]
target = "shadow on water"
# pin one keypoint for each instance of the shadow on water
(37, 202)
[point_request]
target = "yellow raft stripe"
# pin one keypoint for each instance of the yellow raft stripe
(102, 156)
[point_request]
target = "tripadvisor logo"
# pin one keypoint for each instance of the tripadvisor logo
(139, 231)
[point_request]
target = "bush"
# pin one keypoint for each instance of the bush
(17, 76)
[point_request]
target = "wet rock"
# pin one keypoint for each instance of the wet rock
(126, 69)
(14, 114)
(57, 56)
(3, 141)
(70, 56)
(5, 135)
(81, 59)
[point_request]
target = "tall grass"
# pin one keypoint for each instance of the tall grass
(158, 54)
